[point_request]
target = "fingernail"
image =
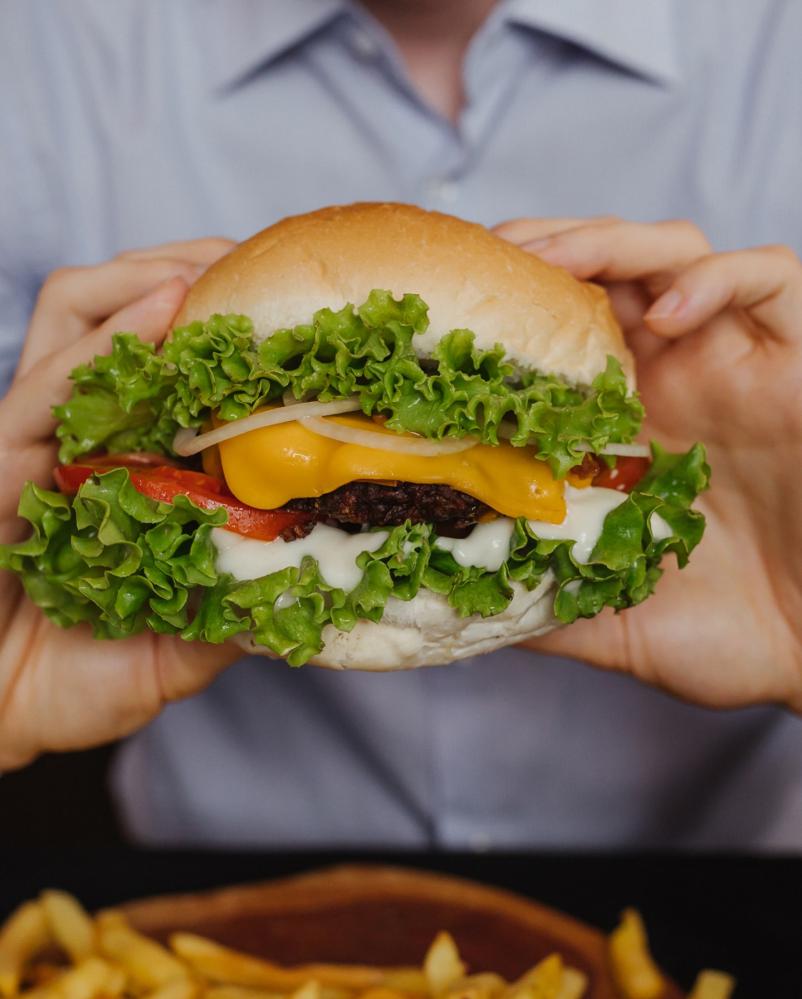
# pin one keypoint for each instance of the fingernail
(667, 306)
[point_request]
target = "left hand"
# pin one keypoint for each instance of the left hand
(717, 340)
(62, 689)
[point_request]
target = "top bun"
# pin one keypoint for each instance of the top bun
(469, 278)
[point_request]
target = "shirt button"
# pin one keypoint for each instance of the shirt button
(364, 45)
(444, 189)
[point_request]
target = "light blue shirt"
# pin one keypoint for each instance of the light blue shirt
(131, 122)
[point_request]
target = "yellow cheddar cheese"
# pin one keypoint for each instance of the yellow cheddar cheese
(266, 468)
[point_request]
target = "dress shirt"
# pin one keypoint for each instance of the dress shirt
(134, 122)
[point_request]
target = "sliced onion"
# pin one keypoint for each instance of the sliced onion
(507, 429)
(388, 442)
(187, 442)
(620, 450)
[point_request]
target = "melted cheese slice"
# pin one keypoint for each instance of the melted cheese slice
(266, 468)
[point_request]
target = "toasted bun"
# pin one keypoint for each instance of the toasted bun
(469, 278)
(426, 631)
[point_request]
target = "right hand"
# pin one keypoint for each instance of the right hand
(60, 689)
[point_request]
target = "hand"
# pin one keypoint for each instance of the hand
(62, 689)
(718, 345)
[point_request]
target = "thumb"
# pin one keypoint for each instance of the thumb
(185, 668)
(151, 317)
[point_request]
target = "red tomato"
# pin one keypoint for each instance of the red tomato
(164, 483)
(625, 476)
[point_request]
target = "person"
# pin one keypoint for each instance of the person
(493, 111)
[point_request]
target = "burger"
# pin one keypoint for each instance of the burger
(377, 438)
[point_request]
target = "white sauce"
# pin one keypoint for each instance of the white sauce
(584, 520)
(659, 527)
(488, 545)
(336, 553)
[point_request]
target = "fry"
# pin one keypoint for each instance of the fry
(24, 933)
(311, 990)
(382, 992)
(221, 964)
(712, 985)
(247, 992)
(442, 965)
(541, 982)
(485, 984)
(574, 984)
(116, 982)
(69, 924)
(179, 988)
(85, 981)
(633, 968)
(148, 963)
(240, 992)
(411, 981)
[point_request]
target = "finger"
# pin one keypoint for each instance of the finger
(196, 251)
(623, 251)
(630, 302)
(600, 642)
(766, 282)
(524, 231)
(74, 300)
(47, 382)
(186, 668)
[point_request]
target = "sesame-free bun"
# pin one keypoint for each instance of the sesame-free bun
(469, 278)
(427, 631)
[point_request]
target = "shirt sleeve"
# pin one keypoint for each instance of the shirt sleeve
(28, 216)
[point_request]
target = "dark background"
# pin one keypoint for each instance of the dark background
(738, 913)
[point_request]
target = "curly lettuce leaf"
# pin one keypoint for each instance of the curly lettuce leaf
(136, 399)
(112, 557)
(126, 563)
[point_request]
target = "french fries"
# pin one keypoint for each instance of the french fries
(713, 985)
(635, 972)
(25, 933)
(221, 964)
(109, 959)
(442, 966)
(69, 924)
(150, 965)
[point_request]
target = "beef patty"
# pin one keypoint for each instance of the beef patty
(379, 505)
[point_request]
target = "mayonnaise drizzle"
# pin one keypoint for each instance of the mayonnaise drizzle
(659, 527)
(335, 551)
(584, 519)
(487, 546)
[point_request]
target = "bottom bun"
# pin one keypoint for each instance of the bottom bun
(427, 631)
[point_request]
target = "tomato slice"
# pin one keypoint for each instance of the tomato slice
(165, 482)
(625, 476)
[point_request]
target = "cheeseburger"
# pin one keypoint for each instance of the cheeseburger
(378, 437)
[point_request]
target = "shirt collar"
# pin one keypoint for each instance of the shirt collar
(638, 35)
(635, 34)
(250, 34)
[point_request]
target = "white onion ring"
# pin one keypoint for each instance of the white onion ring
(620, 450)
(507, 429)
(419, 446)
(187, 441)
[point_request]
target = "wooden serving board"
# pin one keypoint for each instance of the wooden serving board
(383, 915)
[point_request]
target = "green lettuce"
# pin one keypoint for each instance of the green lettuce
(136, 398)
(125, 563)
